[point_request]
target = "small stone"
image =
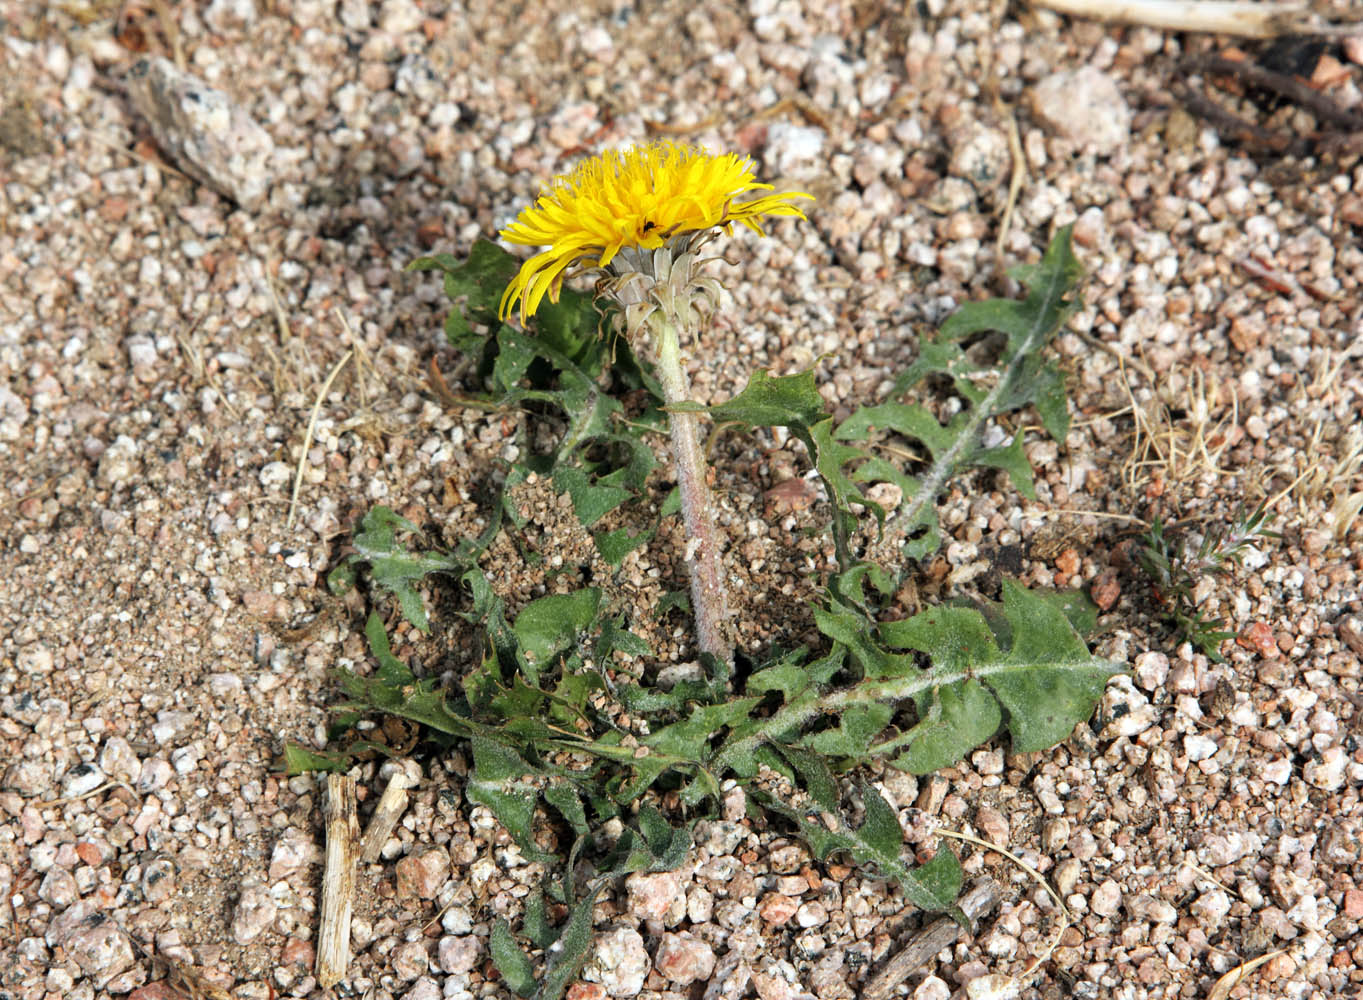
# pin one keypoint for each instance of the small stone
(1067, 876)
(932, 988)
(620, 962)
(22, 708)
(254, 913)
(1152, 670)
(1342, 843)
(700, 905)
(170, 725)
(118, 760)
(141, 352)
(410, 960)
(1211, 908)
(29, 777)
(790, 496)
(1287, 887)
(1105, 590)
(1282, 966)
(298, 951)
(1090, 231)
(58, 887)
(263, 604)
(684, 958)
(98, 945)
(1351, 631)
(650, 896)
(1106, 899)
(212, 138)
(1055, 834)
(949, 196)
(1068, 562)
(158, 880)
(1277, 771)
(793, 148)
(811, 915)
(585, 991)
(1086, 106)
(398, 17)
(457, 920)
(993, 986)
(156, 773)
(91, 853)
(1328, 773)
(292, 852)
(1276, 922)
(888, 495)
(424, 988)
(119, 463)
(992, 824)
(675, 673)
(81, 780)
(225, 16)
(1152, 909)
(777, 909)
(999, 944)
(980, 155)
(792, 885)
(932, 794)
(773, 986)
(420, 876)
(1218, 850)
(1353, 48)
(1353, 903)
(1259, 638)
(160, 990)
(1199, 747)
(457, 955)
(1130, 712)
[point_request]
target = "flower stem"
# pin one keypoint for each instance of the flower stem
(709, 592)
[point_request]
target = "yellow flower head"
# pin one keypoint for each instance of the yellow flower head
(638, 199)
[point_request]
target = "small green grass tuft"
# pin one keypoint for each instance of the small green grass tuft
(1174, 570)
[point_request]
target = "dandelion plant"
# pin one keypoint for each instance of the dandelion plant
(640, 220)
(570, 725)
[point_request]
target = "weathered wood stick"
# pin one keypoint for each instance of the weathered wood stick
(1245, 18)
(338, 880)
(392, 804)
(982, 897)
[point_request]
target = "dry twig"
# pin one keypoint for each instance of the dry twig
(307, 437)
(1244, 18)
(982, 897)
(338, 881)
(1340, 129)
(392, 804)
(1237, 975)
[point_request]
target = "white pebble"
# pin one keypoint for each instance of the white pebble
(792, 147)
(994, 986)
(1084, 105)
(1198, 747)
(1106, 899)
(275, 474)
(81, 780)
(1152, 670)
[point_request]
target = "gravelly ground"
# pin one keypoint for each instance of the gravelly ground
(165, 630)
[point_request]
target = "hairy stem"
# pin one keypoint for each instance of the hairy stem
(709, 592)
